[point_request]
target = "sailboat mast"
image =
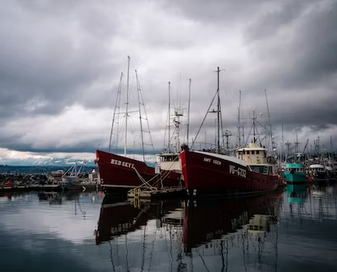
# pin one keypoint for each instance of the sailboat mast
(218, 112)
(114, 122)
(188, 113)
(140, 116)
(127, 106)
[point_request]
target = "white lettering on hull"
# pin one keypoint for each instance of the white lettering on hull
(238, 171)
(214, 161)
(121, 163)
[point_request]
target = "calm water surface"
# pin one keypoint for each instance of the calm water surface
(291, 230)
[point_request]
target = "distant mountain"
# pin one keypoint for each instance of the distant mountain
(6, 169)
(44, 162)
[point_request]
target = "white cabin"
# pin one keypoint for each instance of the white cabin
(256, 158)
(170, 162)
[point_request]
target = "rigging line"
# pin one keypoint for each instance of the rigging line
(146, 116)
(249, 134)
(202, 123)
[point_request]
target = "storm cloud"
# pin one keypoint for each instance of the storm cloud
(61, 62)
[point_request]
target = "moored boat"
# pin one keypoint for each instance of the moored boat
(295, 173)
(317, 172)
(249, 173)
(122, 172)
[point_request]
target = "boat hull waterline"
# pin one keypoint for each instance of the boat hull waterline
(122, 172)
(207, 173)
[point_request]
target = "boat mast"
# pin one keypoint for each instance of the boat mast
(254, 127)
(217, 121)
(218, 111)
(127, 106)
(239, 126)
(114, 122)
(169, 117)
(188, 113)
(282, 151)
(270, 128)
(140, 116)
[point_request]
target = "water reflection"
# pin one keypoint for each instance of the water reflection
(189, 236)
(297, 193)
(291, 231)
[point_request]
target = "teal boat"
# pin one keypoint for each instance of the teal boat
(295, 173)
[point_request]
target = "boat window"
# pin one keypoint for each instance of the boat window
(257, 152)
(248, 152)
(253, 152)
(265, 169)
(257, 169)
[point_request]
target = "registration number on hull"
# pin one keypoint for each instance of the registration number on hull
(237, 171)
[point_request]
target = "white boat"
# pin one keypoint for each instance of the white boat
(317, 171)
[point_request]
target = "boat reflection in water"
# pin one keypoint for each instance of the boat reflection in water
(297, 193)
(190, 236)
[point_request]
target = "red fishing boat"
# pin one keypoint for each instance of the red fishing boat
(123, 172)
(250, 171)
(120, 171)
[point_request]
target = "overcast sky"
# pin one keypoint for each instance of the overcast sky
(61, 63)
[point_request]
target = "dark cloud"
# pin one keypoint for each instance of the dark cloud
(56, 55)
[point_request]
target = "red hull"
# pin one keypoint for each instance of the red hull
(121, 172)
(205, 172)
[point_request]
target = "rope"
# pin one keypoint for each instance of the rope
(162, 177)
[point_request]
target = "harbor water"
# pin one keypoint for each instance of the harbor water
(293, 229)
